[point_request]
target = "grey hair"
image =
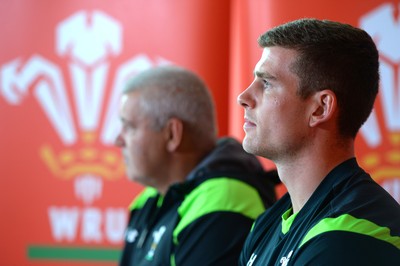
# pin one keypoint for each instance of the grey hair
(174, 92)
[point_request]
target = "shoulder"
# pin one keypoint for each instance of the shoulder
(346, 248)
(223, 194)
(364, 205)
(224, 198)
(350, 225)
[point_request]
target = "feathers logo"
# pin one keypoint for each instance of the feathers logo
(88, 42)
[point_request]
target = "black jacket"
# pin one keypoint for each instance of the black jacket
(348, 220)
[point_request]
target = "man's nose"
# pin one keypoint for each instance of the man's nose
(244, 99)
(119, 141)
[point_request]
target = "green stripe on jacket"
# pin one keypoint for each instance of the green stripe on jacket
(349, 223)
(219, 195)
(142, 198)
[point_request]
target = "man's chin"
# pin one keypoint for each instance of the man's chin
(139, 180)
(247, 145)
(251, 147)
(133, 178)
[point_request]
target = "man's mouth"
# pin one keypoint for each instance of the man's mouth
(248, 124)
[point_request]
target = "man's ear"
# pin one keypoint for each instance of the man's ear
(324, 107)
(174, 134)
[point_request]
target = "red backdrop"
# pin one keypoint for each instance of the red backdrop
(62, 64)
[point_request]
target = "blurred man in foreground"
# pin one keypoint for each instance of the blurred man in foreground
(202, 194)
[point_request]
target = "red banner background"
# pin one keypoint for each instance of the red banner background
(47, 214)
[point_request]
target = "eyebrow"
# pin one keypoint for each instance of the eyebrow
(264, 75)
(125, 121)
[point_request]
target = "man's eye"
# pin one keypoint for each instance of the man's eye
(130, 128)
(127, 127)
(266, 83)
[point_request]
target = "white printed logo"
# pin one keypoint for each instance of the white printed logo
(285, 260)
(157, 235)
(251, 260)
(131, 235)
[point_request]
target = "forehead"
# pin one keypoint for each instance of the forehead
(276, 61)
(131, 106)
(130, 99)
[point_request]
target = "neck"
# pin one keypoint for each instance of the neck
(179, 165)
(303, 173)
